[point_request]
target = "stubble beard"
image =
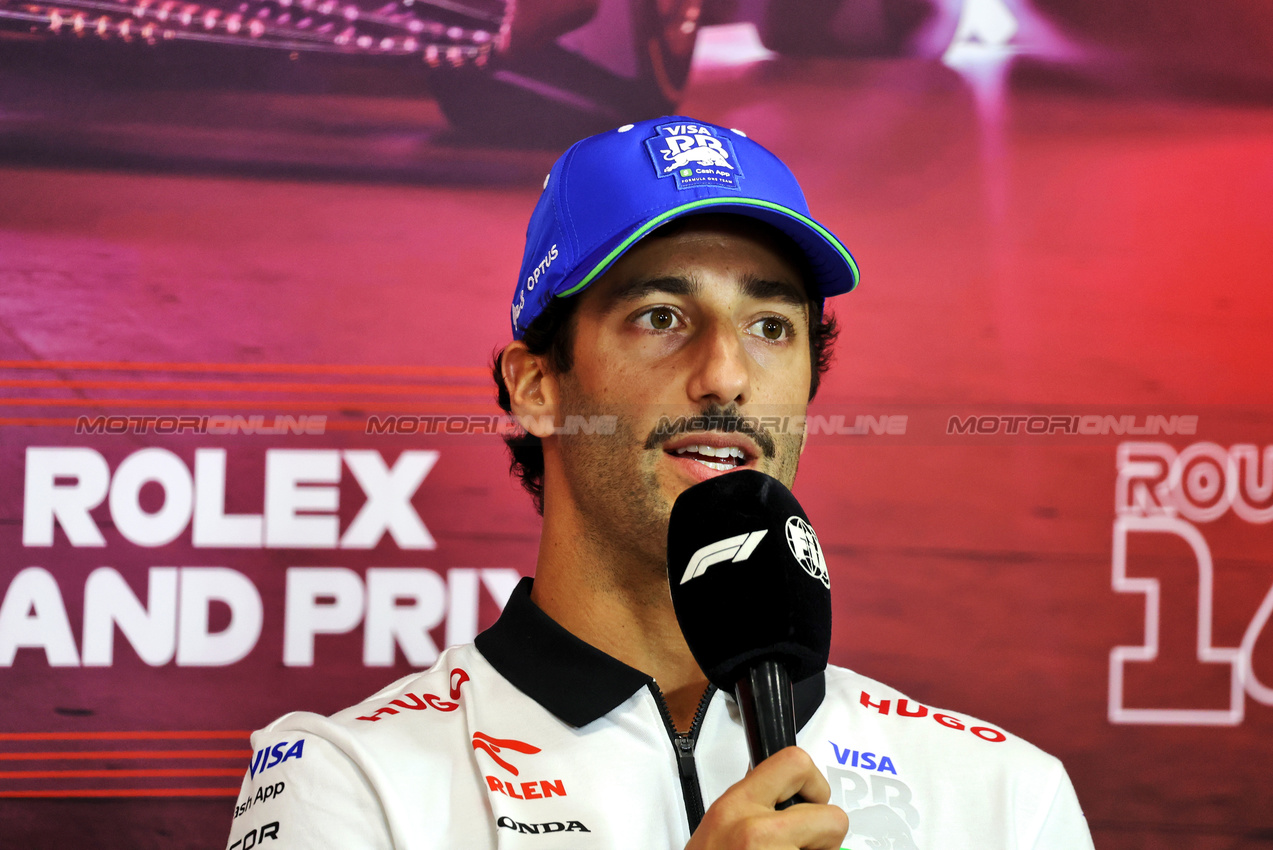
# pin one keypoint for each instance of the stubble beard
(785, 462)
(614, 482)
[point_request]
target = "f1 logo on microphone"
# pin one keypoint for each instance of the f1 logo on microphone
(730, 549)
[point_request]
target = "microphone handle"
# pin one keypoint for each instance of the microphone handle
(768, 708)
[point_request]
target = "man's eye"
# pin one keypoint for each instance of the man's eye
(659, 319)
(771, 328)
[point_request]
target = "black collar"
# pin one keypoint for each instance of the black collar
(572, 679)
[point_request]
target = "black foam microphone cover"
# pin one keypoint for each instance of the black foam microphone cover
(748, 578)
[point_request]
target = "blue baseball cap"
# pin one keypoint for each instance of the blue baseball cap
(609, 191)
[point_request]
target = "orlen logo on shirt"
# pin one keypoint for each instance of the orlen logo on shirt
(277, 754)
(499, 750)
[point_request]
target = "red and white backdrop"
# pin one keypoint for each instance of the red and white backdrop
(249, 295)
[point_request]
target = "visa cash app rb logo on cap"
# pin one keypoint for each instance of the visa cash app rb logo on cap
(693, 155)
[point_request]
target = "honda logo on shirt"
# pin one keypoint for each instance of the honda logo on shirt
(732, 549)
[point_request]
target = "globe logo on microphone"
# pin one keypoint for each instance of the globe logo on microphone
(808, 551)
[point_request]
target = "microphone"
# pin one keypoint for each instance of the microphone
(752, 596)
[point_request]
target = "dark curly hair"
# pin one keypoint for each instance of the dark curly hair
(552, 333)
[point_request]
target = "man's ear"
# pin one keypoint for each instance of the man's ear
(532, 391)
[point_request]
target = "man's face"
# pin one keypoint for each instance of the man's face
(705, 330)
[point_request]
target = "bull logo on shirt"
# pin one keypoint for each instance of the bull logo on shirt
(882, 812)
(881, 828)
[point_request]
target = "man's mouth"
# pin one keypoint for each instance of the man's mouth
(721, 459)
(705, 455)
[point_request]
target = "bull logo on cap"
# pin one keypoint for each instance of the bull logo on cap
(703, 149)
(694, 154)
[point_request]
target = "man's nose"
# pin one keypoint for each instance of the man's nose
(721, 368)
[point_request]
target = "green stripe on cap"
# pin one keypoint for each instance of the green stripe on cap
(712, 202)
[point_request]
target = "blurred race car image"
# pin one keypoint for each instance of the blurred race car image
(539, 72)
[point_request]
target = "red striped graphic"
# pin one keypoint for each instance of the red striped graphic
(42, 778)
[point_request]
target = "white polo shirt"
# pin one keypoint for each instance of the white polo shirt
(531, 738)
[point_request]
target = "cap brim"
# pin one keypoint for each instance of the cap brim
(834, 269)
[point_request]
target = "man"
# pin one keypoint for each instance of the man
(672, 274)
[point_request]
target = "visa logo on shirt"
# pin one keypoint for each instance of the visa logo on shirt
(866, 761)
(270, 756)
